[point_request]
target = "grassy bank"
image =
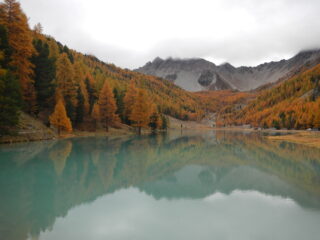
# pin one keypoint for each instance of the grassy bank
(311, 139)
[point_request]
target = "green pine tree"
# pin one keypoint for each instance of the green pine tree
(10, 102)
(119, 95)
(44, 74)
(79, 108)
(10, 95)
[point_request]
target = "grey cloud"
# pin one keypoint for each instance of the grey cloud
(284, 27)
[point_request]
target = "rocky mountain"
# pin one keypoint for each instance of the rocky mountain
(200, 74)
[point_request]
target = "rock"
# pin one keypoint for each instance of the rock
(199, 74)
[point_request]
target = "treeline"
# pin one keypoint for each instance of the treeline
(67, 89)
(293, 104)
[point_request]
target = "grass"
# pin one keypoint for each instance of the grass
(311, 139)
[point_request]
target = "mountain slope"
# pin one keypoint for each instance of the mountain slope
(294, 103)
(190, 74)
(199, 74)
(169, 98)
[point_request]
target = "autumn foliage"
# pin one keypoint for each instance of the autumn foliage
(59, 118)
(82, 92)
(293, 104)
(140, 114)
(107, 107)
(46, 69)
(20, 41)
(129, 100)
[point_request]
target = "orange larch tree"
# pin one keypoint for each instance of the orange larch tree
(84, 92)
(107, 106)
(96, 114)
(65, 80)
(20, 40)
(316, 110)
(140, 115)
(65, 77)
(59, 118)
(129, 100)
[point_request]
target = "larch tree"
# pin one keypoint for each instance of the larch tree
(129, 100)
(140, 114)
(20, 40)
(54, 49)
(85, 95)
(96, 114)
(59, 118)
(107, 106)
(317, 116)
(78, 72)
(66, 84)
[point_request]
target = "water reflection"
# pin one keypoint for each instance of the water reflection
(161, 177)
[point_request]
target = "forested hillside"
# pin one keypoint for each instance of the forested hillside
(67, 89)
(292, 104)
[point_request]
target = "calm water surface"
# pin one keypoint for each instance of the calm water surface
(205, 185)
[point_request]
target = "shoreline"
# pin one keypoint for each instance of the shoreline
(311, 139)
(305, 137)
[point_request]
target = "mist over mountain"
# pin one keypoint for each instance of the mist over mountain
(198, 74)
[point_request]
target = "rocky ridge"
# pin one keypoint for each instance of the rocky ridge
(198, 74)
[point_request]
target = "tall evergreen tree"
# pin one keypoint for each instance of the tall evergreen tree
(119, 95)
(5, 48)
(10, 101)
(80, 108)
(44, 74)
(66, 50)
(79, 78)
(10, 95)
(92, 93)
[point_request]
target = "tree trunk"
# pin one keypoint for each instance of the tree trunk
(139, 130)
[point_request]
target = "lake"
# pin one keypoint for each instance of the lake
(191, 185)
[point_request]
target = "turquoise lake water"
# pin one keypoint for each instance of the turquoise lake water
(191, 185)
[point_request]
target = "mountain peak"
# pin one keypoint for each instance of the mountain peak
(157, 60)
(195, 74)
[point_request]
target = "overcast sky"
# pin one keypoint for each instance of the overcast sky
(130, 33)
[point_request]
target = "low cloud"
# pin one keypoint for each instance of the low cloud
(130, 34)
